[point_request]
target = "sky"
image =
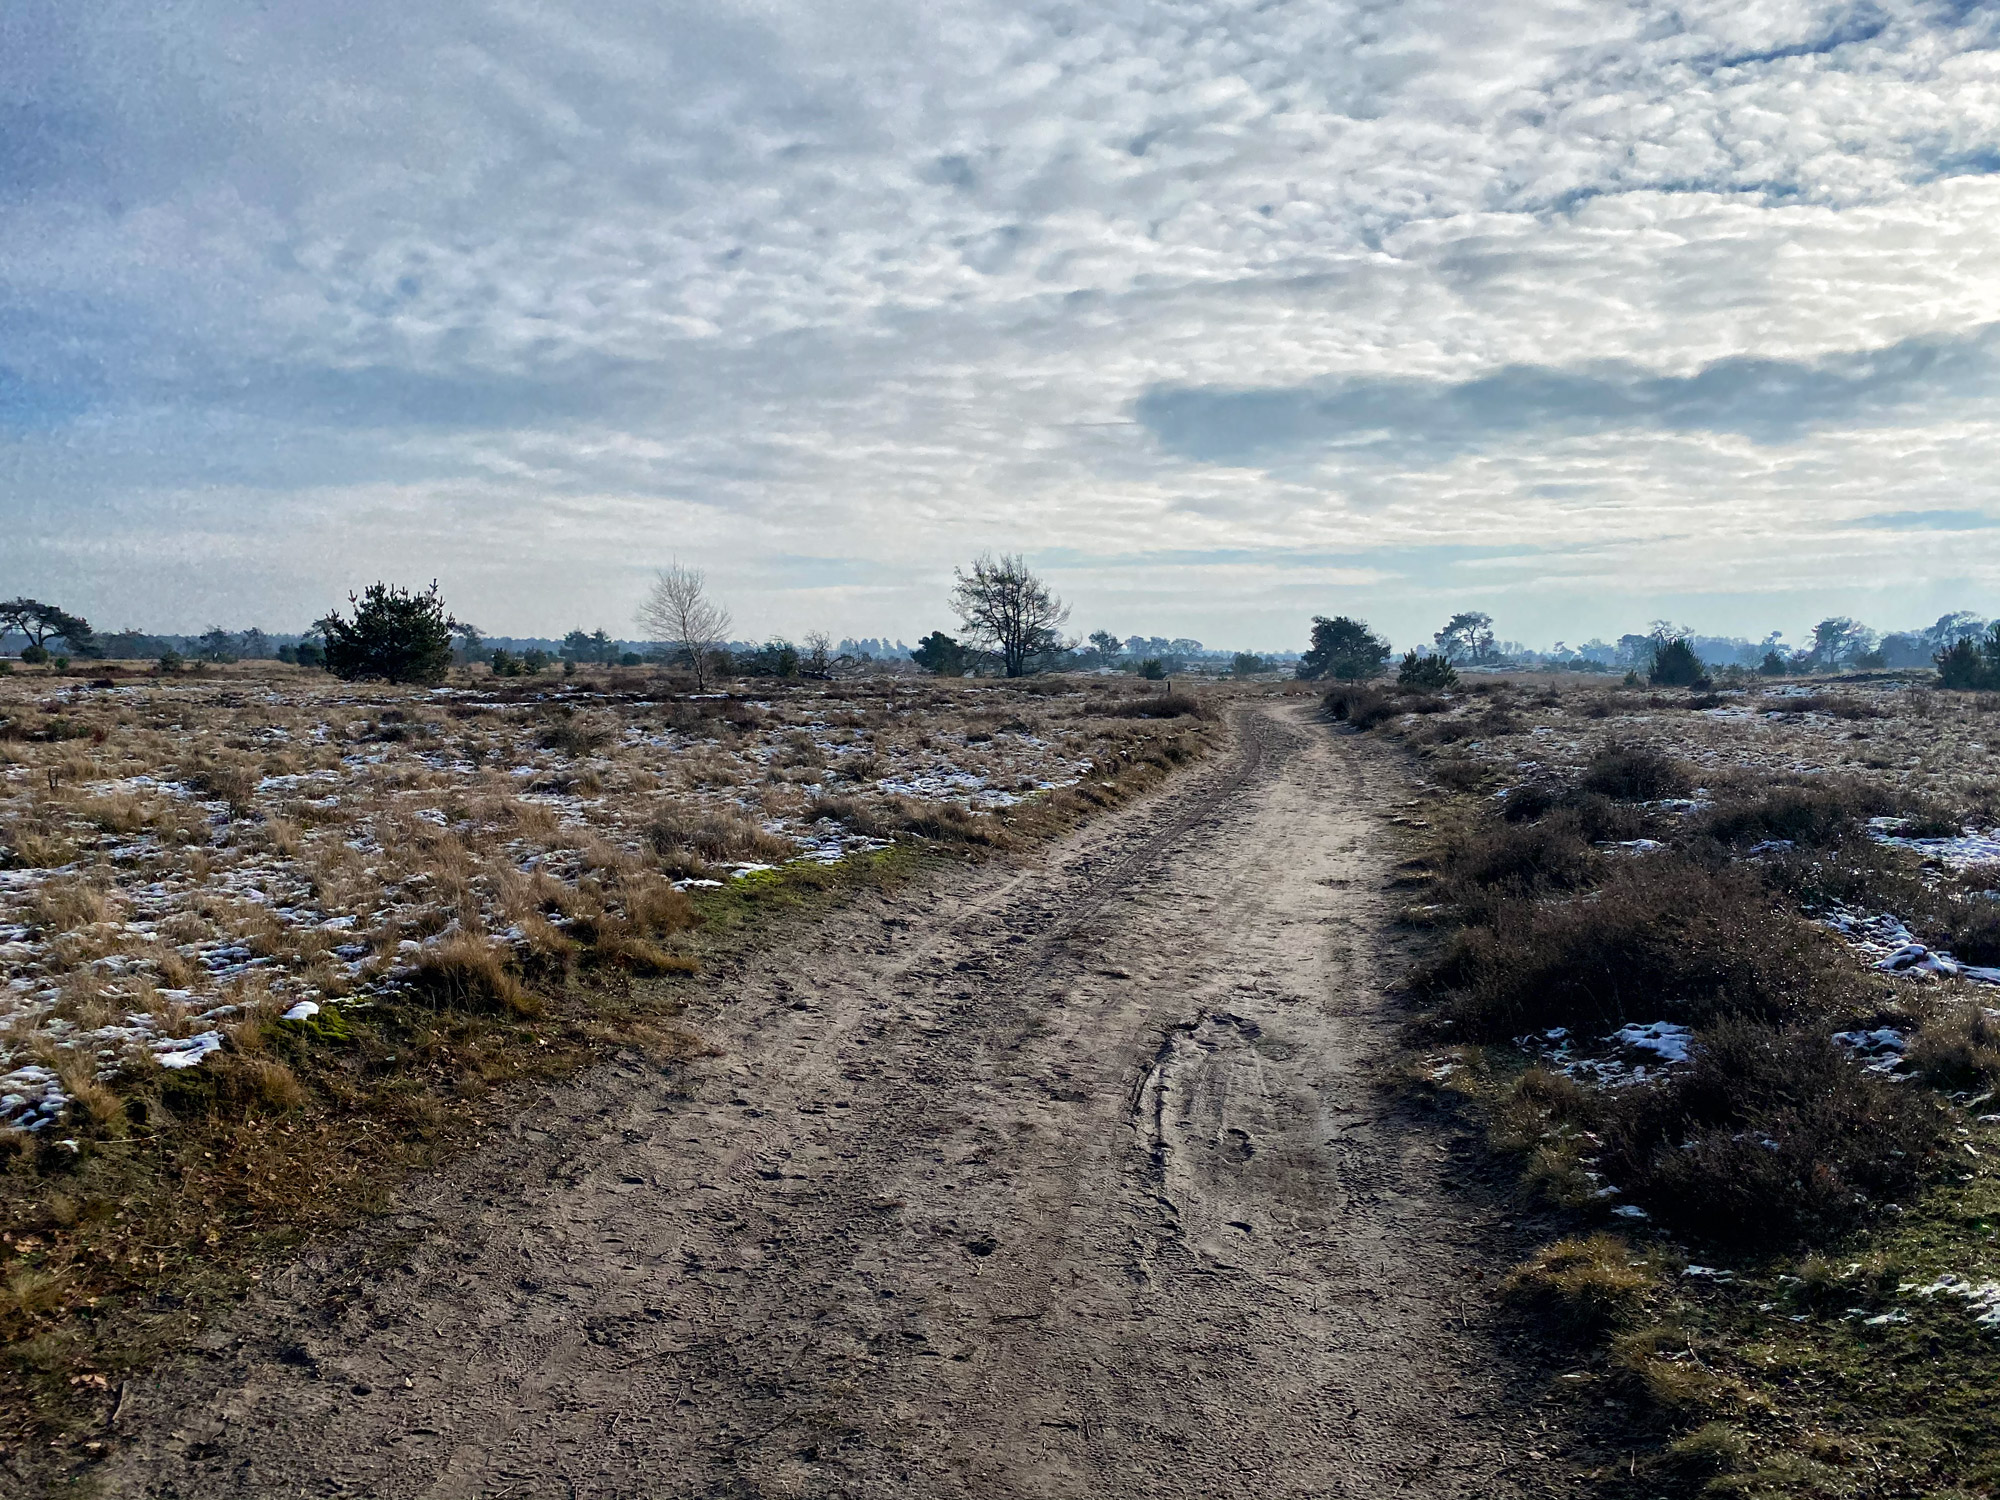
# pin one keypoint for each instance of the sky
(1226, 313)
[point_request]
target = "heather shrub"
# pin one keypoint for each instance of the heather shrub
(1770, 1136)
(1161, 706)
(1488, 860)
(1361, 705)
(1822, 813)
(1635, 773)
(1958, 1048)
(1659, 939)
(1969, 929)
(1529, 801)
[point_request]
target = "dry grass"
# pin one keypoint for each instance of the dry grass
(1585, 1285)
(268, 820)
(467, 972)
(446, 895)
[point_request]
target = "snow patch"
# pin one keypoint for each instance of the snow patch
(1664, 1038)
(1982, 1298)
(187, 1052)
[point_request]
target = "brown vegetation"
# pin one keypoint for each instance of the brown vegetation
(360, 913)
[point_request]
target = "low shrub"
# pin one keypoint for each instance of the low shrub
(1635, 773)
(1598, 818)
(1770, 1136)
(1162, 706)
(1448, 732)
(1490, 860)
(1461, 773)
(1603, 820)
(1531, 800)
(1818, 814)
(1835, 706)
(1362, 705)
(1582, 1286)
(573, 737)
(1660, 939)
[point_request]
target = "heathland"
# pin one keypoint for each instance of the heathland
(272, 940)
(1713, 973)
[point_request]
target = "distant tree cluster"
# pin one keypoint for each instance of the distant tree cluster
(529, 663)
(1010, 623)
(593, 647)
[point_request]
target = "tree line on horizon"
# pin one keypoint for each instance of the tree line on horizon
(1010, 624)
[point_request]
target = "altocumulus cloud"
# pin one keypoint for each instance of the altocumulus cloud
(1305, 304)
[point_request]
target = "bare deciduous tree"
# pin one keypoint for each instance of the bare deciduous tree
(1007, 609)
(678, 612)
(817, 658)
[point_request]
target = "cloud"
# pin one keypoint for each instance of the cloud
(1766, 400)
(1241, 312)
(1930, 520)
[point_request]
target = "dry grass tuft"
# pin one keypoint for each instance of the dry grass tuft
(688, 844)
(468, 972)
(66, 905)
(1583, 1286)
(1958, 1048)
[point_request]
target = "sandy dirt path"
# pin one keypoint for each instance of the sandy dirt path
(1055, 1181)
